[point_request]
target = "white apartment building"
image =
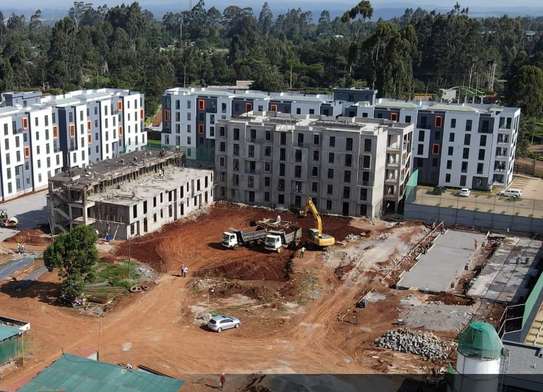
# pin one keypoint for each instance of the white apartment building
(40, 135)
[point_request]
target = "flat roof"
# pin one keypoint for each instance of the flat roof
(147, 186)
(7, 332)
(442, 264)
(503, 277)
(441, 106)
(77, 374)
(80, 178)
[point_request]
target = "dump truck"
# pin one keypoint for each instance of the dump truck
(276, 240)
(234, 237)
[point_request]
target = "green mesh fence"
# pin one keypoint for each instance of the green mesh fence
(480, 340)
(532, 300)
(10, 349)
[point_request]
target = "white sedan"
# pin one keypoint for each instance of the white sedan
(464, 192)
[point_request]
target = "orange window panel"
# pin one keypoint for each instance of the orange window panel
(27, 152)
(201, 128)
(273, 107)
(141, 114)
(394, 116)
(119, 105)
(120, 130)
(72, 130)
(89, 125)
(202, 104)
(166, 115)
(55, 132)
(435, 149)
(90, 138)
(248, 107)
(439, 122)
(24, 122)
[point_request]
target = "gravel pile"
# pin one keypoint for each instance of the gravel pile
(425, 344)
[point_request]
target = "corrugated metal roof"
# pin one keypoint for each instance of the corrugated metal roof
(7, 332)
(76, 374)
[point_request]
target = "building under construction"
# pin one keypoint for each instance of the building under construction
(128, 196)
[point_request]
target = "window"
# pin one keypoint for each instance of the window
(408, 119)
(420, 149)
(467, 139)
(331, 157)
(465, 153)
(298, 111)
(201, 104)
(283, 140)
(298, 155)
(447, 177)
(469, 124)
(349, 144)
(236, 133)
(282, 154)
(480, 167)
(483, 140)
(421, 136)
(438, 121)
(330, 189)
(281, 169)
(273, 107)
(450, 151)
(315, 155)
(332, 141)
(346, 192)
(435, 149)
(508, 125)
(481, 154)
(453, 122)
(451, 137)
(328, 204)
(281, 199)
(314, 187)
(330, 174)
(311, 111)
(315, 171)
(394, 116)
(363, 194)
(348, 160)
(367, 145)
(297, 171)
(267, 151)
(268, 135)
(316, 140)
(347, 176)
(236, 149)
(449, 164)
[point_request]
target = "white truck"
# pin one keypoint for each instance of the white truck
(277, 240)
(233, 238)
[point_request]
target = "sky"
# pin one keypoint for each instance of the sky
(517, 7)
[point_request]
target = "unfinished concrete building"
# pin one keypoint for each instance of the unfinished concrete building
(348, 166)
(128, 196)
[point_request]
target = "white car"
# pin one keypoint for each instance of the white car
(511, 192)
(464, 192)
(220, 323)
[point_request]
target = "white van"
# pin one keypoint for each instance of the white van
(511, 192)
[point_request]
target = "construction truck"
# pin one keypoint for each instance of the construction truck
(276, 240)
(6, 220)
(234, 237)
(316, 234)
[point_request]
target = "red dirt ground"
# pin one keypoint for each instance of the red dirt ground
(30, 237)
(181, 242)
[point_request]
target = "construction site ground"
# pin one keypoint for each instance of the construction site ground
(298, 314)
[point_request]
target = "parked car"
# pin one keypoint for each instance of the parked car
(464, 192)
(220, 323)
(511, 192)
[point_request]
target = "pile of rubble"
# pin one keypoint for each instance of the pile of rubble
(425, 344)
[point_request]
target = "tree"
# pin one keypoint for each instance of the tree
(526, 90)
(362, 9)
(265, 19)
(74, 254)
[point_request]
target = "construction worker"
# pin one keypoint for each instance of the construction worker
(185, 271)
(182, 274)
(222, 380)
(302, 252)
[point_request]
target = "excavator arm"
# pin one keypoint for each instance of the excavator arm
(320, 239)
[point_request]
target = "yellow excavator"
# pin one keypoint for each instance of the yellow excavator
(317, 236)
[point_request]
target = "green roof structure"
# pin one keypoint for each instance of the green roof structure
(8, 332)
(480, 340)
(71, 373)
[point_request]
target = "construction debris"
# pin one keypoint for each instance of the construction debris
(424, 344)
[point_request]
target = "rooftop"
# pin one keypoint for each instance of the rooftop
(440, 106)
(289, 122)
(7, 332)
(81, 178)
(145, 187)
(76, 374)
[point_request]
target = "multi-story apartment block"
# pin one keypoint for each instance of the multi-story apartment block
(190, 114)
(454, 145)
(43, 134)
(349, 166)
(128, 196)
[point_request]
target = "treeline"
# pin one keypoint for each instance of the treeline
(125, 46)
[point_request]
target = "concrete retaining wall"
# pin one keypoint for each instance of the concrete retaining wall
(477, 219)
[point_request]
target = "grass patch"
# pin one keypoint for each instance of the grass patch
(154, 143)
(122, 275)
